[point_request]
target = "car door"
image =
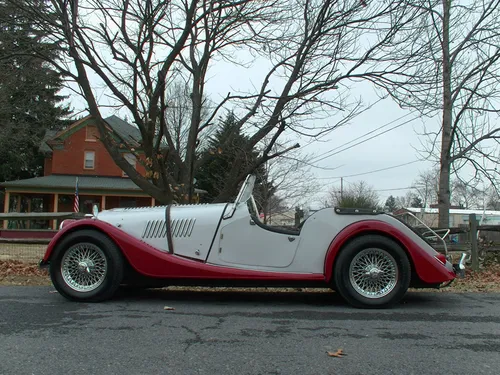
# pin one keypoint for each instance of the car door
(242, 242)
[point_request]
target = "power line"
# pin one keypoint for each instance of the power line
(405, 188)
(374, 171)
(359, 113)
(332, 153)
(363, 135)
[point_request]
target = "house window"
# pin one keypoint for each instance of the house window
(132, 160)
(89, 162)
(91, 133)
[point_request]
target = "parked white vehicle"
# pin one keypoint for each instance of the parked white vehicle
(370, 258)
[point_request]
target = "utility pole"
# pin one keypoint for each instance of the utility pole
(341, 188)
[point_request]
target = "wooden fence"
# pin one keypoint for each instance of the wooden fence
(28, 245)
(475, 244)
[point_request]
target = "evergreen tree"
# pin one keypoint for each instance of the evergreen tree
(29, 99)
(214, 174)
(390, 203)
(356, 195)
(416, 202)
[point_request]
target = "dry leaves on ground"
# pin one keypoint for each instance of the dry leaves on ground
(339, 353)
(14, 272)
(18, 268)
(486, 280)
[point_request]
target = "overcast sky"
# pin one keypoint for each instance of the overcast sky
(393, 148)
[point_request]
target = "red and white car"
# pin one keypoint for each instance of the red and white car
(370, 258)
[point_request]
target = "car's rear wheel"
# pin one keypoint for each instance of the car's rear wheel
(86, 266)
(372, 272)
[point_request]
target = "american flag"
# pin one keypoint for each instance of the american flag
(76, 206)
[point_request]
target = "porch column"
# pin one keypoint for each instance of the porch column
(6, 203)
(56, 208)
(28, 222)
(153, 202)
(103, 203)
(18, 207)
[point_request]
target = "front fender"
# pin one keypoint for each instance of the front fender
(70, 226)
(422, 256)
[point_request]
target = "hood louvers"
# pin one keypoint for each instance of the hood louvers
(158, 229)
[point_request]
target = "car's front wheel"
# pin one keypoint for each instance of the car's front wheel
(86, 266)
(372, 272)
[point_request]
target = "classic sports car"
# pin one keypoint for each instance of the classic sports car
(369, 258)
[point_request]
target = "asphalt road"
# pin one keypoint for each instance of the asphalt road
(246, 333)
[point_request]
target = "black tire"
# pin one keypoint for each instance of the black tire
(111, 266)
(351, 289)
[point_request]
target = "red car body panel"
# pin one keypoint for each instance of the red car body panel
(427, 267)
(152, 262)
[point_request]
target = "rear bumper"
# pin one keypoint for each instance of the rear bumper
(459, 268)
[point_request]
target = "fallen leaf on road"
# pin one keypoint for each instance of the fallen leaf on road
(339, 353)
(168, 308)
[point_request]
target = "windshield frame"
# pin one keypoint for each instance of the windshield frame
(243, 196)
(246, 190)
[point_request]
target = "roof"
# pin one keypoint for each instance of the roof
(127, 132)
(452, 211)
(85, 183)
(49, 134)
(69, 181)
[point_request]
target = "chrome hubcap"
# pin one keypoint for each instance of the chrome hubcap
(373, 273)
(83, 267)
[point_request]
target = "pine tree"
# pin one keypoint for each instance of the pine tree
(390, 203)
(214, 173)
(416, 202)
(29, 99)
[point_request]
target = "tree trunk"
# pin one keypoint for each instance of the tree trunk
(444, 173)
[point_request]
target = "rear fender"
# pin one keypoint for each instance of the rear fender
(426, 266)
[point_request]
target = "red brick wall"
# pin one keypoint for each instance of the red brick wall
(47, 166)
(70, 159)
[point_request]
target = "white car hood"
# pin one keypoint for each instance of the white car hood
(192, 226)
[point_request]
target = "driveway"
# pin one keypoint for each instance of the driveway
(246, 333)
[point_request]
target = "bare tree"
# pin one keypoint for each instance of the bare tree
(466, 195)
(177, 115)
(406, 200)
(426, 186)
(456, 75)
(492, 199)
(130, 51)
(288, 183)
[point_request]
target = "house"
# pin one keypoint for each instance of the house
(286, 218)
(458, 217)
(77, 153)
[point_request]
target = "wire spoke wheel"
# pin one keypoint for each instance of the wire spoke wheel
(373, 273)
(84, 267)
